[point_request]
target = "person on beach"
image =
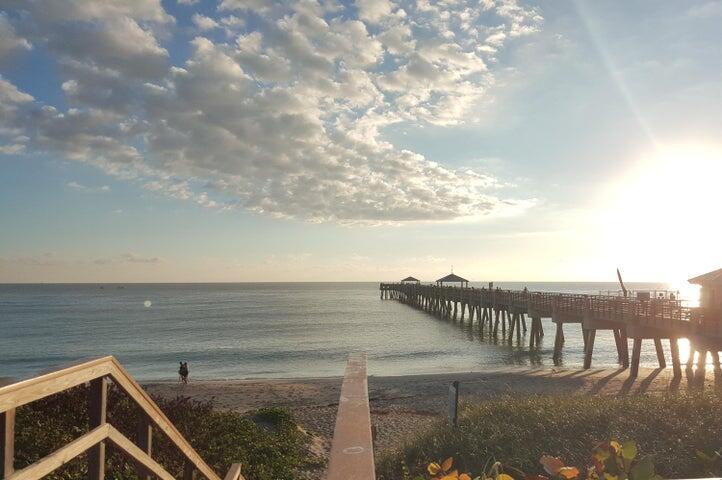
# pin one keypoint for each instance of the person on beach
(183, 372)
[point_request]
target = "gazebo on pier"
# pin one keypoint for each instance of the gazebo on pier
(453, 278)
(410, 280)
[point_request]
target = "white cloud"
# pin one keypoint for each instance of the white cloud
(250, 5)
(9, 93)
(204, 23)
(373, 11)
(10, 41)
(86, 10)
(87, 189)
(12, 149)
(285, 119)
(708, 9)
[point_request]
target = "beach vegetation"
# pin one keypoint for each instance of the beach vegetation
(525, 438)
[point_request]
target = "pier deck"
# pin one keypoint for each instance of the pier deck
(505, 313)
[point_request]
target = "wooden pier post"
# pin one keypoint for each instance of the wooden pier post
(591, 335)
(660, 352)
(558, 342)
(636, 352)
(676, 363)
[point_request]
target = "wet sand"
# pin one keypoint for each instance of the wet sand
(403, 404)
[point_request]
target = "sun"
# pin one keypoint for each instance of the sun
(662, 219)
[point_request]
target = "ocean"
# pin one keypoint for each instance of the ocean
(263, 330)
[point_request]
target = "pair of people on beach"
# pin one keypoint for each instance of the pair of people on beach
(183, 372)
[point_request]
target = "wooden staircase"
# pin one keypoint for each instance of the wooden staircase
(97, 373)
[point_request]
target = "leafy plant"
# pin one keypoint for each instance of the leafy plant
(443, 471)
(610, 461)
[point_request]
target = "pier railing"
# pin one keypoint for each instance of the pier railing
(659, 311)
(96, 373)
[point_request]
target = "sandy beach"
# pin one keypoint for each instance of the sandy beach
(407, 403)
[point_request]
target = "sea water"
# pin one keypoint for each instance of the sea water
(264, 330)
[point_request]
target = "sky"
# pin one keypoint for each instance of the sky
(246, 140)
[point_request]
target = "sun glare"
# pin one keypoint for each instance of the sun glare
(661, 221)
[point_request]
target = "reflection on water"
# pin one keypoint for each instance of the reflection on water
(267, 330)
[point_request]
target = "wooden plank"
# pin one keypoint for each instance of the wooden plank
(63, 455)
(234, 473)
(189, 471)
(21, 393)
(97, 413)
(7, 443)
(144, 439)
(137, 454)
(352, 453)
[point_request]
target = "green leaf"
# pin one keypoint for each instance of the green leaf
(704, 457)
(629, 450)
(643, 469)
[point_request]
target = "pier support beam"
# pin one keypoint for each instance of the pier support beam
(590, 335)
(676, 363)
(558, 342)
(660, 353)
(636, 352)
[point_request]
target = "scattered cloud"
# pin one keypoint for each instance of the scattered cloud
(86, 189)
(285, 116)
(708, 9)
(135, 258)
(52, 259)
(10, 41)
(12, 149)
(204, 23)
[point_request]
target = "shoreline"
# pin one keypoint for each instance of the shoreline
(408, 403)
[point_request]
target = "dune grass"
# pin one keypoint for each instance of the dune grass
(266, 442)
(517, 431)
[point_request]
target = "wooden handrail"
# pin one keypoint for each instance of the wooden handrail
(21, 393)
(27, 391)
(352, 451)
(63, 455)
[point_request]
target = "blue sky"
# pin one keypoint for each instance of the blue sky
(242, 140)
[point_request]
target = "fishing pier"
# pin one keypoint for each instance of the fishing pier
(509, 314)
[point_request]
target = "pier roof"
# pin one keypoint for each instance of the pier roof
(410, 279)
(452, 278)
(707, 278)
